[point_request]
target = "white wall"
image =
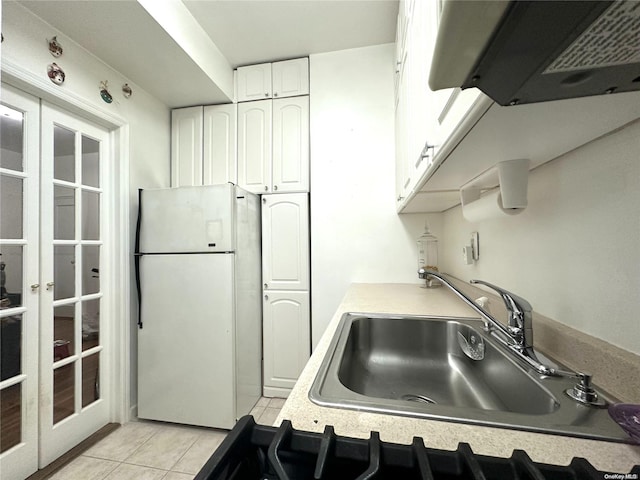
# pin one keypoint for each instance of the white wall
(356, 234)
(574, 252)
(148, 118)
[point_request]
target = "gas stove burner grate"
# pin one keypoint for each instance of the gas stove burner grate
(253, 451)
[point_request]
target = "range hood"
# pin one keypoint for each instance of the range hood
(520, 52)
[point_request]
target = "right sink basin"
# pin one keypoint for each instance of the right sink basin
(449, 369)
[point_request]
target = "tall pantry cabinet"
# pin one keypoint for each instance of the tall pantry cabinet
(261, 143)
(273, 160)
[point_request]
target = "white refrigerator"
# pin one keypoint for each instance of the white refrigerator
(198, 274)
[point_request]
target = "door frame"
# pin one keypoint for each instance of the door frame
(22, 79)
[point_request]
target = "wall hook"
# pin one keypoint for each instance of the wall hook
(54, 47)
(55, 74)
(104, 92)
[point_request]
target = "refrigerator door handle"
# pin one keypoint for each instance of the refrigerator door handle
(137, 258)
(138, 222)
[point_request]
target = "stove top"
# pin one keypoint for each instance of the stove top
(252, 451)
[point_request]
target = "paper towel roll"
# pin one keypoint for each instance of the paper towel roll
(488, 207)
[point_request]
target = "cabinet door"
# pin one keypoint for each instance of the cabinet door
(291, 144)
(290, 78)
(285, 241)
(186, 147)
(286, 337)
(219, 153)
(254, 146)
(253, 82)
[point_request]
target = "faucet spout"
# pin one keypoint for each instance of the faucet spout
(518, 337)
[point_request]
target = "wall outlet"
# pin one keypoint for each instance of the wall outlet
(475, 246)
(467, 255)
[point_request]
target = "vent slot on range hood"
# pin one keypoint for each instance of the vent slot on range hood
(542, 50)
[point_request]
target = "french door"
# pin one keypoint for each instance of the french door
(19, 270)
(54, 216)
(73, 397)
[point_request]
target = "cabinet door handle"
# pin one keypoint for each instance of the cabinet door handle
(49, 285)
(275, 187)
(266, 286)
(264, 200)
(266, 189)
(266, 297)
(266, 95)
(275, 94)
(35, 286)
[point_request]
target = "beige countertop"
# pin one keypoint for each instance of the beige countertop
(411, 299)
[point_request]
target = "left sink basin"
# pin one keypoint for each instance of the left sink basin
(447, 369)
(423, 361)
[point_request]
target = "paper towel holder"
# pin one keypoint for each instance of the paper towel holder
(511, 175)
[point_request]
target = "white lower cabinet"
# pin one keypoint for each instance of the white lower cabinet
(285, 277)
(286, 339)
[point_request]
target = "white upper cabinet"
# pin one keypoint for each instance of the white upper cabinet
(290, 78)
(446, 138)
(272, 80)
(219, 151)
(254, 146)
(203, 145)
(186, 147)
(285, 241)
(290, 172)
(273, 145)
(254, 82)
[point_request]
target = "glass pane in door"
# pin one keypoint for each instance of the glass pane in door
(11, 139)
(90, 215)
(64, 271)
(90, 269)
(64, 213)
(63, 392)
(90, 162)
(11, 206)
(90, 324)
(64, 160)
(11, 417)
(63, 331)
(11, 282)
(90, 379)
(11, 341)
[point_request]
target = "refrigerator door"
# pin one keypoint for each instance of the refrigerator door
(186, 345)
(187, 219)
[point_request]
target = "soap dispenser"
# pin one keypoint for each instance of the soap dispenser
(428, 255)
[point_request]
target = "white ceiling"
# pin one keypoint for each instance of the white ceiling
(126, 37)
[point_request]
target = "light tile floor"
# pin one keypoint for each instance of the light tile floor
(145, 450)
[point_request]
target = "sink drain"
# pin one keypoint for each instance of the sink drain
(417, 398)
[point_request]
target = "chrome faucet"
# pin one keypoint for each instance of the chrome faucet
(518, 337)
(520, 317)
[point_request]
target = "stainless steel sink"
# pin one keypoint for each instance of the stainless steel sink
(449, 369)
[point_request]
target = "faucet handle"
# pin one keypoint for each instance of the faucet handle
(514, 303)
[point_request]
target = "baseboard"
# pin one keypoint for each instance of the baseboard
(72, 454)
(133, 413)
(277, 392)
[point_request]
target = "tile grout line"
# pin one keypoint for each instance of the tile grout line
(157, 430)
(182, 456)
